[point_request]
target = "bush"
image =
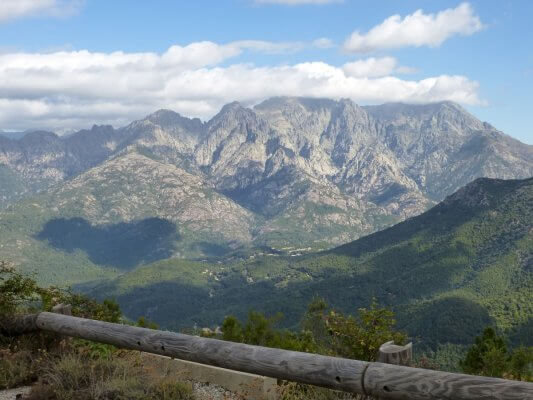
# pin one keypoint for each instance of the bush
(325, 331)
(347, 336)
(19, 293)
(260, 330)
(15, 289)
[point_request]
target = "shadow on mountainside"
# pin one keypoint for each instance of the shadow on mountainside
(124, 245)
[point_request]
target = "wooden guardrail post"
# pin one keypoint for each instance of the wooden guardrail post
(65, 309)
(390, 353)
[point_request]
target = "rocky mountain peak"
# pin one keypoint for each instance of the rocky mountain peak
(231, 108)
(172, 121)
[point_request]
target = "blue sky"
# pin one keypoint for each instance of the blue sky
(195, 56)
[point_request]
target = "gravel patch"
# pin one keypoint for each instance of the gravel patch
(11, 394)
(206, 391)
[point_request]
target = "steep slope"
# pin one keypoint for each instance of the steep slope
(442, 147)
(464, 264)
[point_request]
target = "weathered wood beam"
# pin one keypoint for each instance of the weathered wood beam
(398, 382)
(13, 325)
(376, 379)
(313, 369)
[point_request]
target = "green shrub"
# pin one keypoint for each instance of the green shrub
(15, 289)
(325, 331)
(19, 293)
(347, 336)
(260, 330)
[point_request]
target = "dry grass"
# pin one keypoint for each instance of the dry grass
(122, 375)
(79, 370)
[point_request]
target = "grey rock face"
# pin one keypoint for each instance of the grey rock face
(307, 169)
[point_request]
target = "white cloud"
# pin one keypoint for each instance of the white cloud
(323, 43)
(12, 9)
(417, 29)
(74, 89)
(375, 67)
(298, 2)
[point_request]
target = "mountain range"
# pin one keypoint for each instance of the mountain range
(289, 175)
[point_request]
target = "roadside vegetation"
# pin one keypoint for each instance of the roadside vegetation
(66, 368)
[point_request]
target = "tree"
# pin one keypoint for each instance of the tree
(353, 337)
(521, 363)
(261, 331)
(487, 356)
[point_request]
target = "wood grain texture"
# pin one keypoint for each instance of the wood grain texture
(13, 325)
(390, 353)
(65, 309)
(398, 382)
(331, 372)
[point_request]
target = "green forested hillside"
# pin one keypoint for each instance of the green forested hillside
(464, 264)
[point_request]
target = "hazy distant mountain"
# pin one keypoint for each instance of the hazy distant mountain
(290, 172)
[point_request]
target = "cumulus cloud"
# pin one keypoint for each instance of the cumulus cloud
(12, 9)
(297, 2)
(417, 29)
(74, 89)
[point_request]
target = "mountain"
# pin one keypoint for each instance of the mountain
(130, 210)
(289, 175)
(449, 272)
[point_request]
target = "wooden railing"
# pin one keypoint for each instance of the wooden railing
(375, 379)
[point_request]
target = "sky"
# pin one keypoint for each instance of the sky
(69, 64)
